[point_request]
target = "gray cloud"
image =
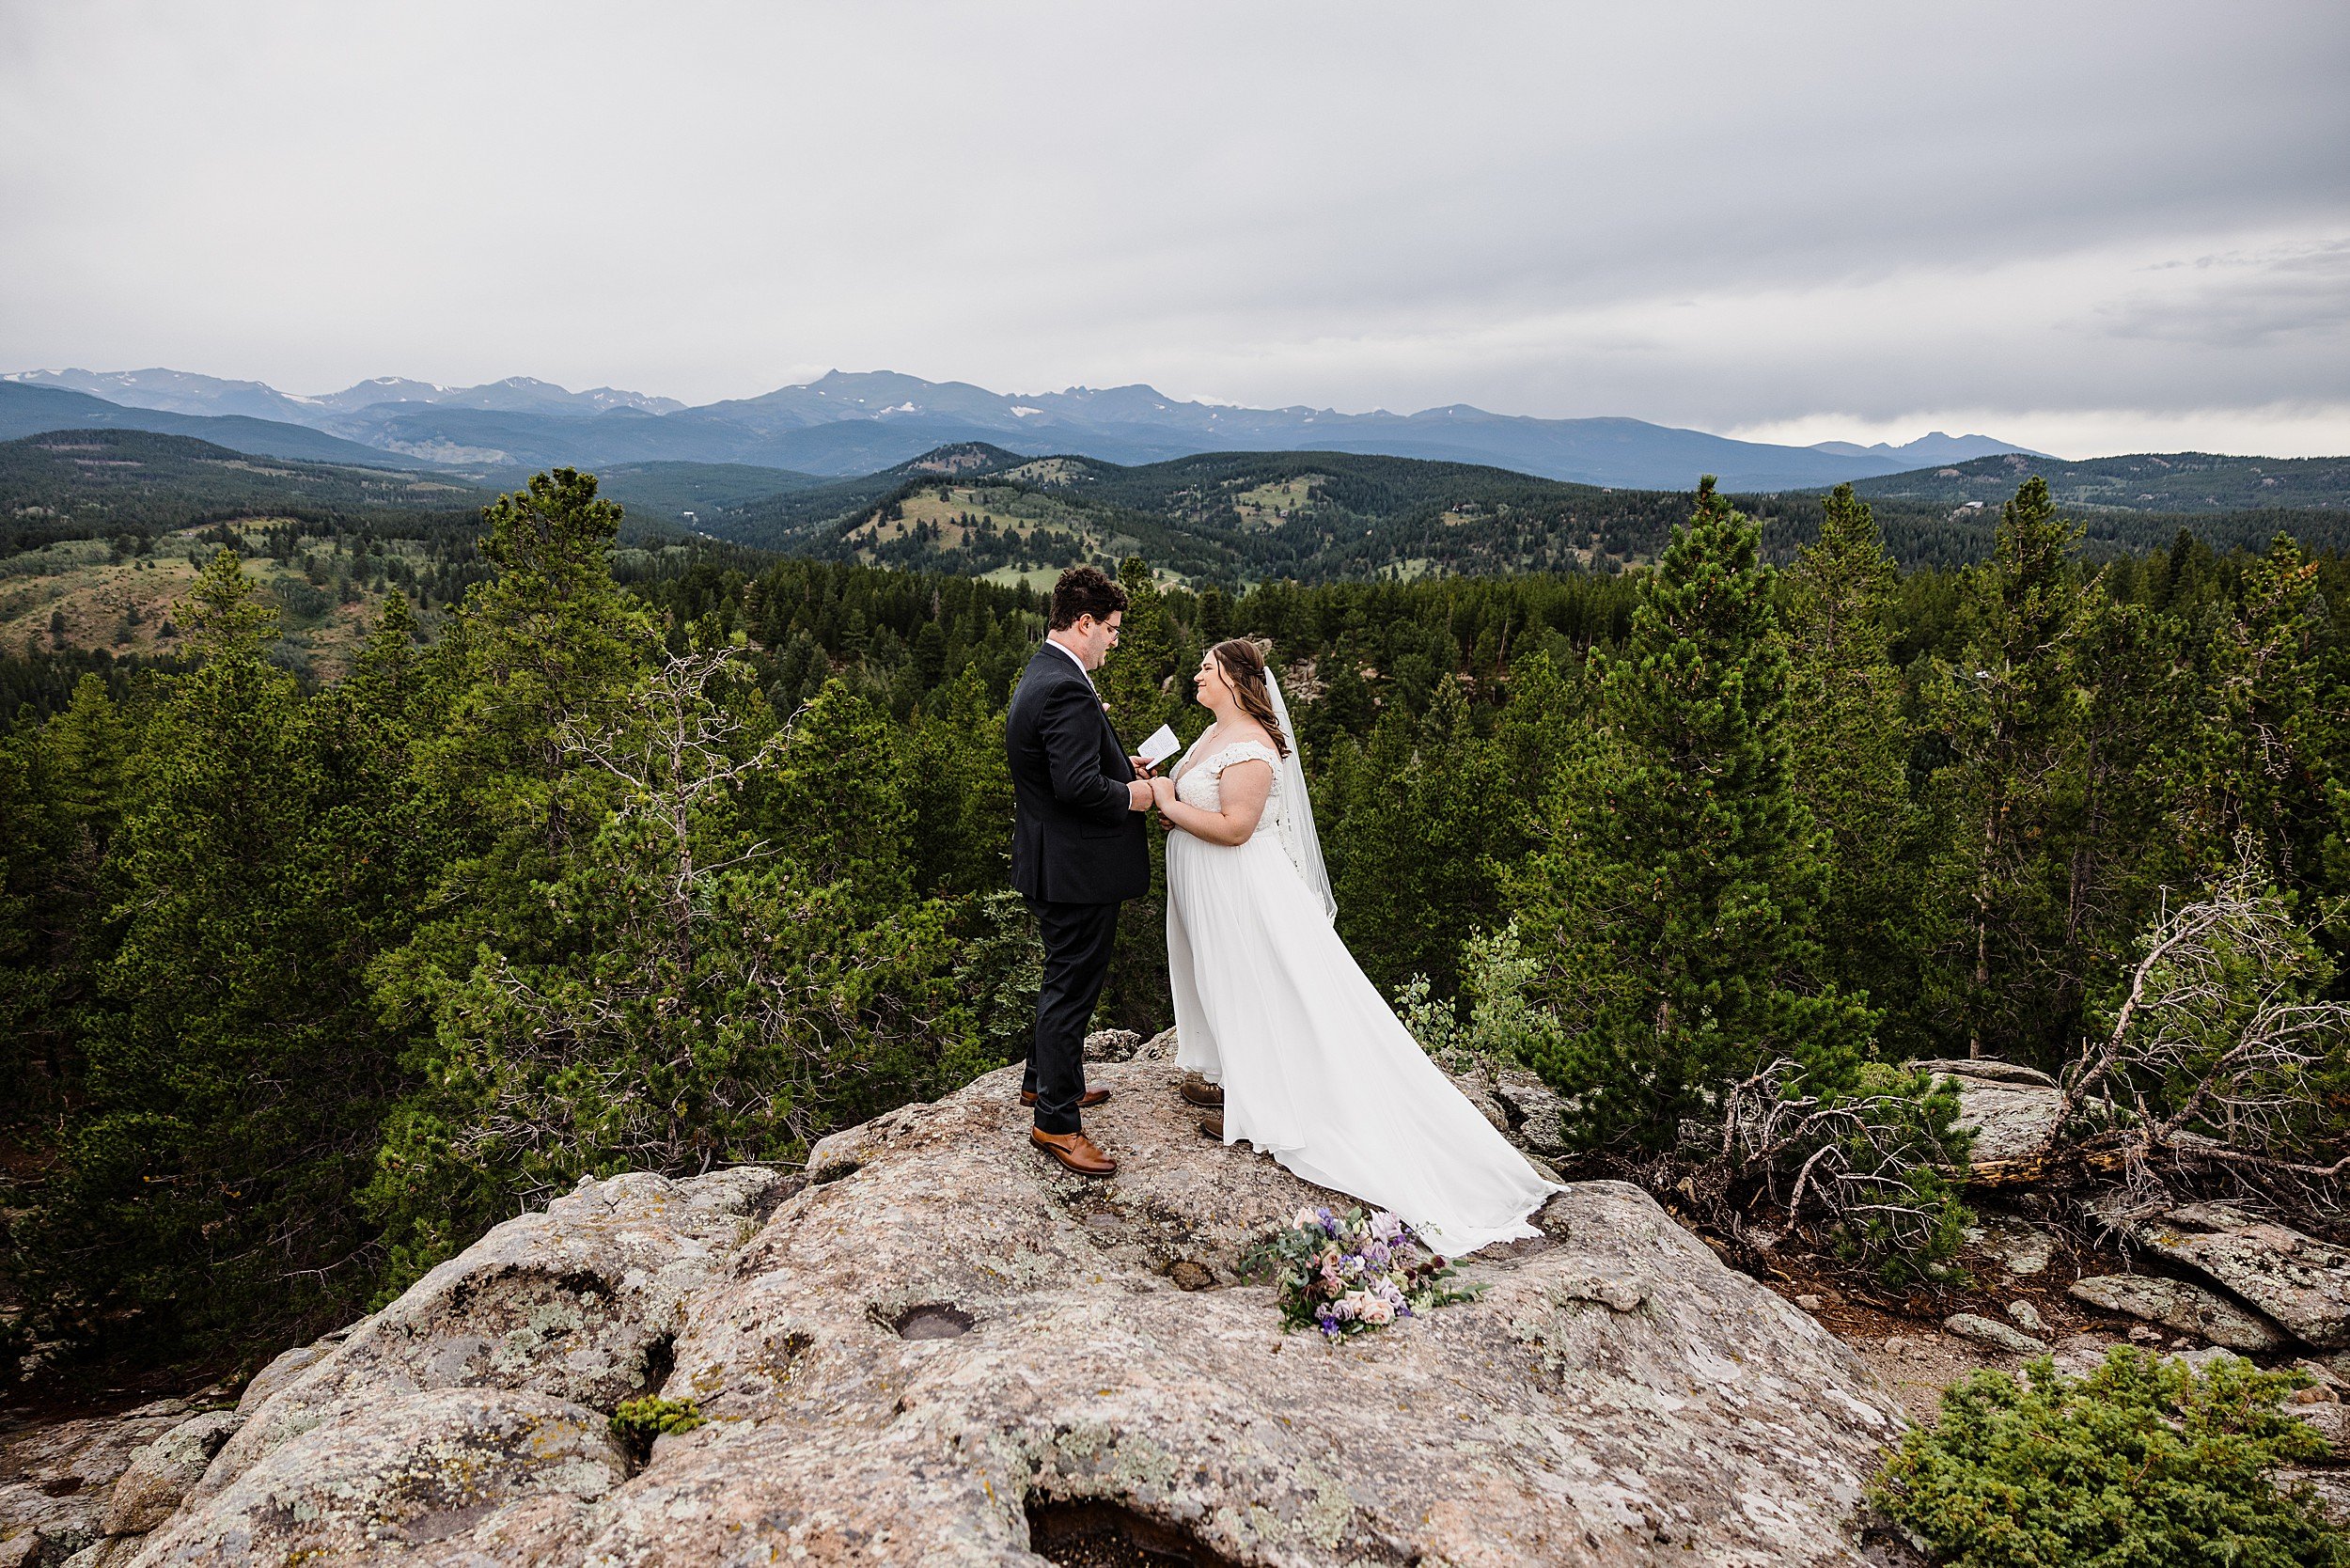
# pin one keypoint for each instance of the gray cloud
(1731, 216)
(2244, 300)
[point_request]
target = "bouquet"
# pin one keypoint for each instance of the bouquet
(1346, 1274)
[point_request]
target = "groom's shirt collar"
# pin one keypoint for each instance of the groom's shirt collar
(1072, 659)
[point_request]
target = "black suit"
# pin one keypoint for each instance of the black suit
(1078, 848)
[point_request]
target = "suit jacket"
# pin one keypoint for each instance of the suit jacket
(1075, 838)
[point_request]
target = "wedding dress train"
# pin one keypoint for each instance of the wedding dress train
(1317, 1070)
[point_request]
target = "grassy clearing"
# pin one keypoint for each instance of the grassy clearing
(1269, 506)
(999, 505)
(1041, 578)
(80, 594)
(1047, 471)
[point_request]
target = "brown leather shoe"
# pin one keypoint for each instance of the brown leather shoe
(1200, 1092)
(1076, 1151)
(1086, 1101)
(1212, 1125)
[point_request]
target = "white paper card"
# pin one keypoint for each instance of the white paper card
(1161, 745)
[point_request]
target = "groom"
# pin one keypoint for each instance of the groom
(1078, 848)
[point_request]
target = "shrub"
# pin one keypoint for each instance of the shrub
(639, 1421)
(2144, 1462)
(1503, 1029)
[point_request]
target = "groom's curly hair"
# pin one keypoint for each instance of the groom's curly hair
(1085, 590)
(1243, 662)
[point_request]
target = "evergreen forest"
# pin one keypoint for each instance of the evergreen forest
(600, 859)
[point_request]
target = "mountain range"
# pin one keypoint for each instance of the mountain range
(845, 423)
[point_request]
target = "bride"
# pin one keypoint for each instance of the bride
(1305, 1060)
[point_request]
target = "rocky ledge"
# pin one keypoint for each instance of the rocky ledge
(936, 1348)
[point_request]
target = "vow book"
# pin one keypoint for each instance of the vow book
(1160, 746)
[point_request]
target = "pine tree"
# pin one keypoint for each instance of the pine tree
(236, 1075)
(1679, 889)
(534, 656)
(2268, 738)
(2008, 718)
(1421, 822)
(2120, 816)
(62, 791)
(711, 992)
(1535, 732)
(1851, 742)
(960, 788)
(1345, 707)
(840, 798)
(1214, 622)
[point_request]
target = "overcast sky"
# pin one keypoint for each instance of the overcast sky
(2088, 228)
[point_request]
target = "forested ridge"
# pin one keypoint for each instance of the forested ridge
(2191, 482)
(1238, 518)
(133, 484)
(688, 863)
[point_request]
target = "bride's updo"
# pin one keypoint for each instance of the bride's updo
(1242, 660)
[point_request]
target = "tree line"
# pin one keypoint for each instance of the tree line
(694, 860)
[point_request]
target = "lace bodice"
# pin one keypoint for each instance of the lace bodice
(1200, 783)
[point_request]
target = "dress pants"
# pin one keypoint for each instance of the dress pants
(1077, 939)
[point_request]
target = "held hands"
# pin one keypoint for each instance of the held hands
(1148, 791)
(1139, 787)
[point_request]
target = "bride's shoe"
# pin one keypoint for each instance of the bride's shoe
(1200, 1092)
(1212, 1125)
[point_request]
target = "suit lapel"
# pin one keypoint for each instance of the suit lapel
(1060, 656)
(1117, 744)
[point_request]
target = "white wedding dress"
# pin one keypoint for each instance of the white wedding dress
(1317, 1070)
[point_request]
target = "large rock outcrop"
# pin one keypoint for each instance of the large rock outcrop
(582, 1303)
(942, 1350)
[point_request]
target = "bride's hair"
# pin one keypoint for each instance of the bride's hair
(1242, 660)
